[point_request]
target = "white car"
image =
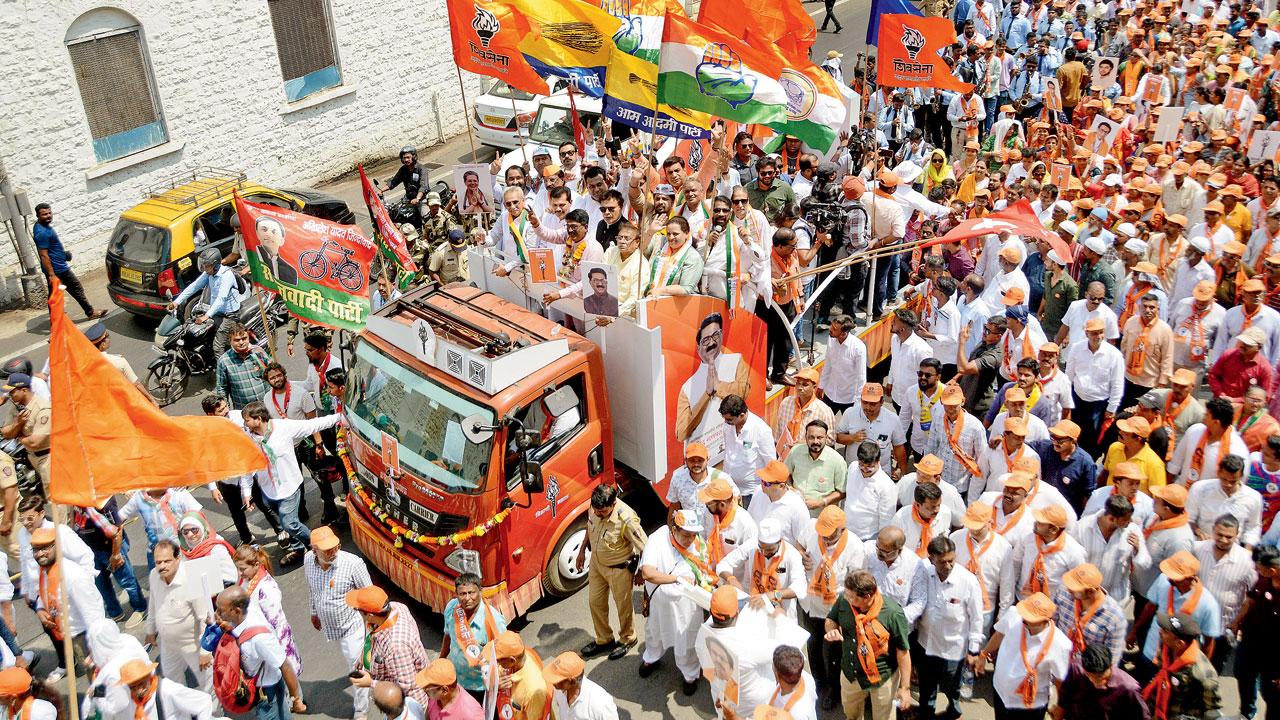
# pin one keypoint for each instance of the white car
(551, 126)
(501, 113)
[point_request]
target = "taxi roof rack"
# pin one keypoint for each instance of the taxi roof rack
(223, 180)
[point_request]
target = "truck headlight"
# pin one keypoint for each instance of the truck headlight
(463, 560)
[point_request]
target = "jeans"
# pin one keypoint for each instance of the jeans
(235, 507)
(881, 287)
(806, 321)
(936, 674)
(992, 104)
(124, 577)
(1250, 657)
(73, 287)
(275, 703)
(287, 509)
(1089, 415)
(824, 657)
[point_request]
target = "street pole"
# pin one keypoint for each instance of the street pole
(32, 287)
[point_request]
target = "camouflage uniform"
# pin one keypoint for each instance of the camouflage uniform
(435, 232)
(1194, 692)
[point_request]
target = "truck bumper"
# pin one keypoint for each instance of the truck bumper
(422, 582)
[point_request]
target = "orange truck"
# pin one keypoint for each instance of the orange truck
(479, 428)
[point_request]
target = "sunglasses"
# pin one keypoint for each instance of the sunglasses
(741, 202)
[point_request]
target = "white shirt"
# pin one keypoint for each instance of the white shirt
(944, 324)
(903, 581)
(174, 615)
(1143, 506)
(746, 451)
(1010, 671)
(300, 399)
(83, 602)
(1186, 277)
(951, 624)
(904, 362)
(1266, 320)
(179, 701)
(1116, 558)
(1078, 314)
(1055, 396)
(261, 653)
(911, 414)
(1180, 321)
(951, 498)
(315, 384)
(885, 431)
(593, 703)
(1097, 376)
(790, 511)
(845, 370)
(806, 707)
(70, 545)
(869, 503)
(1180, 465)
(992, 553)
(1036, 429)
(939, 526)
(283, 478)
(1206, 502)
(853, 558)
(1017, 572)
(1228, 578)
(973, 315)
(791, 574)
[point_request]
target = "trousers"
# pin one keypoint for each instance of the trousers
(853, 699)
(352, 647)
(603, 583)
(175, 662)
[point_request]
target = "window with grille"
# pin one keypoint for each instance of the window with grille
(117, 91)
(304, 42)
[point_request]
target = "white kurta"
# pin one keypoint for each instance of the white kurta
(673, 618)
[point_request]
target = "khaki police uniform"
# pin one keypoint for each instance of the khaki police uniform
(614, 541)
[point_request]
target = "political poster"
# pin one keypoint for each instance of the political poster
(1170, 124)
(320, 269)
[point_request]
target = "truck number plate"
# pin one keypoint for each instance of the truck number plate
(131, 276)
(423, 513)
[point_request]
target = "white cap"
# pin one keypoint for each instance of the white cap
(1055, 258)
(688, 520)
(1136, 246)
(907, 172)
(1062, 205)
(1068, 227)
(770, 531)
(1126, 229)
(1200, 243)
(1113, 180)
(1096, 244)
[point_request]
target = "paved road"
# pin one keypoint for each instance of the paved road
(551, 627)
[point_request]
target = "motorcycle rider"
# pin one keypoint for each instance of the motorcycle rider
(414, 178)
(224, 302)
(22, 364)
(32, 424)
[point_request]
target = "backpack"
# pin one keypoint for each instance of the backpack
(237, 692)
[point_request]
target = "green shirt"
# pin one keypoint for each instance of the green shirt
(771, 200)
(893, 619)
(816, 478)
(1057, 298)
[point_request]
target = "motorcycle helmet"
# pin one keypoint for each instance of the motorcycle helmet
(210, 257)
(410, 150)
(19, 364)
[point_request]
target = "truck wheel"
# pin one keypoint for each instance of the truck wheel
(561, 577)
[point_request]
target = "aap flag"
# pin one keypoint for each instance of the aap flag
(319, 268)
(908, 53)
(394, 246)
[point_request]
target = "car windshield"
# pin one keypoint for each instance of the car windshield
(505, 91)
(423, 416)
(555, 125)
(138, 244)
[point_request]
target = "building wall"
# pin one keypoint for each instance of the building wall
(218, 78)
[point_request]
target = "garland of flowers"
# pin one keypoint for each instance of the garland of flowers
(400, 532)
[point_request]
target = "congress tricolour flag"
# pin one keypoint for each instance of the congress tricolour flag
(705, 69)
(641, 31)
(816, 109)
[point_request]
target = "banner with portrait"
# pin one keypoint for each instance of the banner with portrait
(320, 269)
(709, 354)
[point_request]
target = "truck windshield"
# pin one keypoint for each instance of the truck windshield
(424, 417)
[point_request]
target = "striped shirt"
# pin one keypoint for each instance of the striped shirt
(1228, 578)
(240, 378)
(1116, 558)
(328, 593)
(1107, 627)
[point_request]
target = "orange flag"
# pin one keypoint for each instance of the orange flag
(908, 53)
(107, 438)
(783, 24)
(486, 36)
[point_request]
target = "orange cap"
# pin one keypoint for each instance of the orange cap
(1082, 577)
(565, 666)
(1015, 394)
(696, 450)
(1233, 247)
(1177, 218)
(1203, 291)
(1183, 376)
(1129, 470)
(1010, 253)
(1174, 495)
(1052, 515)
(829, 520)
(1066, 428)
(1252, 285)
(1095, 324)
(1180, 566)
(136, 670)
(44, 536)
(1019, 480)
(929, 464)
(810, 374)
(440, 672)
(978, 516)
(370, 599)
(1037, 608)
(724, 601)
(952, 395)
(508, 644)
(769, 712)
(873, 392)
(718, 489)
(774, 472)
(323, 538)
(14, 682)
(1015, 425)
(1014, 296)
(1137, 425)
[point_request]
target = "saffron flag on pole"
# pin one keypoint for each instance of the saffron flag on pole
(570, 39)
(394, 246)
(320, 269)
(885, 7)
(1018, 219)
(486, 36)
(781, 24)
(704, 68)
(107, 438)
(908, 53)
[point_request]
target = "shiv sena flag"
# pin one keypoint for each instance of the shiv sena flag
(704, 68)
(780, 24)
(108, 438)
(486, 37)
(908, 53)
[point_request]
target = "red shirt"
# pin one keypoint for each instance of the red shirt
(1232, 375)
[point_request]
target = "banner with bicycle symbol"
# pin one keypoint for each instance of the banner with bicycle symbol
(319, 268)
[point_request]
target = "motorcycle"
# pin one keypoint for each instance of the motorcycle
(186, 347)
(28, 480)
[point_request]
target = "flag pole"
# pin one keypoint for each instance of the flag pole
(266, 328)
(467, 120)
(68, 647)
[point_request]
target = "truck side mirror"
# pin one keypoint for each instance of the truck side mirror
(531, 477)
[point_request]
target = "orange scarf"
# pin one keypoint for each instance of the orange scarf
(1174, 522)
(953, 439)
(926, 530)
(1009, 362)
(50, 581)
(1014, 518)
(824, 580)
(789, 291)
(1195, 332)
(1162, 684)
(1131, 300)
(1009, 460)
(792, 435)
(1082, 621)
(872, 637)
(140, 705)
(471, 648)
(1038, 582)
(1190, 604)
(974, 566)
(702, 572)
(1197, 457)
(1266, 250)
(1027, 688)
(764, 576)
(1138, 353)
(1246, 317)
(1171, 413)
(715, 543)
(796, 692)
